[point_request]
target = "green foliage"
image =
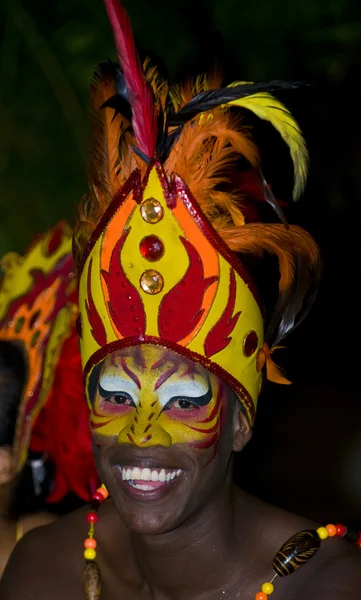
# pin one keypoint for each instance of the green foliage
(49, 50)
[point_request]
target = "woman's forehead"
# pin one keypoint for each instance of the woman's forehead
(156, 359)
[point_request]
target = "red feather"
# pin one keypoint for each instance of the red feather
(141, 99)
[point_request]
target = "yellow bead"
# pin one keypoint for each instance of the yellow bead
(322, 533)
(268, 588)
(90, 554)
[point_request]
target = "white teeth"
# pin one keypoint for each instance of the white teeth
(146, 475)
(132, 474)
(135, 473)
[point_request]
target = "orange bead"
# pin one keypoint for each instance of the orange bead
(103, 491)
(90, 543)
(261, 596)
(331, 529)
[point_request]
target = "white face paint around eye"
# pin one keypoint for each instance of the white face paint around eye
(116, 384)
(185, 388)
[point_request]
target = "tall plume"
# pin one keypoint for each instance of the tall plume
(140, 96)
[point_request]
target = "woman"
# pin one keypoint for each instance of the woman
(40, 377)
(174, 349)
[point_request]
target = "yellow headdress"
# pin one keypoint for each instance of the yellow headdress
(38, 308)
(157, 235)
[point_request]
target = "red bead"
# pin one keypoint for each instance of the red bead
(98, 496)
(151, 248)
(340, 530)
(250, 343)
(92, 517)
(261, 596)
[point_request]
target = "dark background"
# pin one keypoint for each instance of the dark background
(306, 451)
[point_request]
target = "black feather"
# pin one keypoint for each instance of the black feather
(213, 98)
(119, 105)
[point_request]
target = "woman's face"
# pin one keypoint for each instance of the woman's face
(162, 427)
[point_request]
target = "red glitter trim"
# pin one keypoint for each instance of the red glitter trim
(218, 337)
(214, 238)
(170, 197)
(207, 363)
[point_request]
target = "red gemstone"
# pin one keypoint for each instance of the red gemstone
(250, 344)
(92, 517)
(340, 530)
(151, 248)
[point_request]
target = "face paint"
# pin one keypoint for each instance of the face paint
(150, 396)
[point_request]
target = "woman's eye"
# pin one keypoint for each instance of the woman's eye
(184, 404)
(119, 399)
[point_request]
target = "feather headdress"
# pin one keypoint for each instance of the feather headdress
(198, 131)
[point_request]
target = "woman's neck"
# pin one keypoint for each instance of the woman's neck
(203, 552)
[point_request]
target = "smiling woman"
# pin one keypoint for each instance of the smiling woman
(149, 398)
(176, 345)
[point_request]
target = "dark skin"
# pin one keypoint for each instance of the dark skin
(206, 540)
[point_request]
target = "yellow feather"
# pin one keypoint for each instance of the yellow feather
(268, 108)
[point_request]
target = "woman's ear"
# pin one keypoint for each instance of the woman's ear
(6, 465)
(242, 430)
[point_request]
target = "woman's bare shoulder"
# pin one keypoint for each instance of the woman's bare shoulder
(47, 562)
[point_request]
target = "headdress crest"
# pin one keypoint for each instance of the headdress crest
(157, 235)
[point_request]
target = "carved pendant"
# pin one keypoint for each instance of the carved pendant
(296, 552)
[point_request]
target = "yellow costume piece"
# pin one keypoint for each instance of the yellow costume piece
(37, 311)
(224, 328)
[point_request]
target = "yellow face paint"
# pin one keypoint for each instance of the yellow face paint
(150, 396)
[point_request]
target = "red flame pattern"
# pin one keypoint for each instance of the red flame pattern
(98, 330)
(181, 309)
(125, 304)
(218, 337)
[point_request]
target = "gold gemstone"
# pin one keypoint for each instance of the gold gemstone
(151, 282)
(151, 210)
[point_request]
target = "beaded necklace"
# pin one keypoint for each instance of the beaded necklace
(294, 553)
